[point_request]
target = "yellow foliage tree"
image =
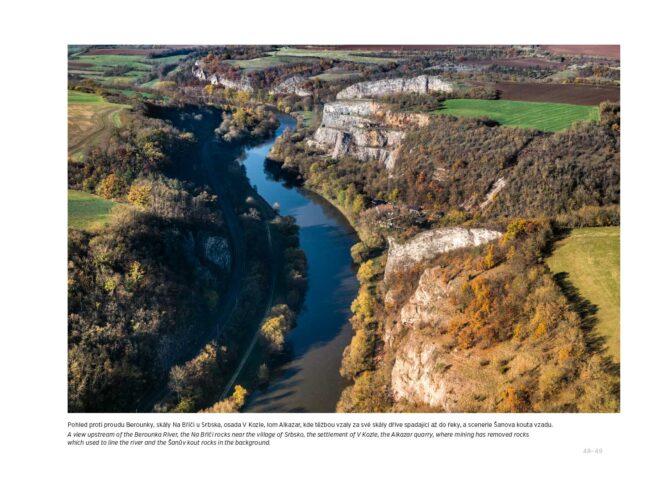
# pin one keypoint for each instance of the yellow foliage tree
(139, 194)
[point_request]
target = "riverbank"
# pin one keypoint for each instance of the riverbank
(306, 375)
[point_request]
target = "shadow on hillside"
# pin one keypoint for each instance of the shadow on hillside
(587, 311)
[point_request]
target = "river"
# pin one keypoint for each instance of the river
(308, 380)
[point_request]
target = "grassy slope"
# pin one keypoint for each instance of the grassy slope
(591, 257)
(87, 210)
(547, 117)
(91, 117)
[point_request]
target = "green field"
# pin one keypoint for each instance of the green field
(591, 258)
(88, 211)
(85, 98)
(261, 63)
(93, 66)
(357, 56)
(333, 75)
(103, 62)
(547, 117)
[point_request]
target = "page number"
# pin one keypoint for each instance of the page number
(592, 450)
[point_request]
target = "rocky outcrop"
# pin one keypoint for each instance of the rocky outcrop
(363, 129)
(292, 86)
(427, 305)
(428, 369)
(428, 245)
(424, 84)
(427, 374)
(416, 378)
(243, 84)
(216, 250)
(198, 72)
(492, 194)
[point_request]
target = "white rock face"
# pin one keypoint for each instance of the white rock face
(198, 72)
(416, 377)
(292, 85)
(427, 245)
(427, 304)
(243, 84)
(364, 130)
(423, 84)
(216, 250)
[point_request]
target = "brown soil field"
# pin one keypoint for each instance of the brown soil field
(80, 64)
(519, 62)
(124, 51)
(557, 93)
(376, 47)
(77, 71)
(611, 51)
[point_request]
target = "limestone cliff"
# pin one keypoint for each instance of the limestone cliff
(242, 84)
(424, 84)
(429, 244)
(292, 85)
(364, 129)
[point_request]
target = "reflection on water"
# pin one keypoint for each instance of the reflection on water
(309, 380)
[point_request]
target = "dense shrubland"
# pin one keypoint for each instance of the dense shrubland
(137, 293)
(143, 146)
(447, 169)
(246, 123)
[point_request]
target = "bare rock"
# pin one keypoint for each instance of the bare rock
(429, 244)
(292, 85)
(424, 84)
(217, 251)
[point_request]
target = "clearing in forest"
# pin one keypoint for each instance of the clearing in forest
(88, 211)
(547, 117)
(590, 259)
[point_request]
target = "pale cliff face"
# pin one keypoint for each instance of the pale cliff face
(292, 85)
(423, 84)
(363, 129)
(428, 245)
(243, 84)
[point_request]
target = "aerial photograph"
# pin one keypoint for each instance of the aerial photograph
(343, 228)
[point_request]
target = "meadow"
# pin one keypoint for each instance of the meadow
(261, 63)
(336, 74)
(90, 119)
(87, 211)
(591, 258)
(546, 117)
(136, 66)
